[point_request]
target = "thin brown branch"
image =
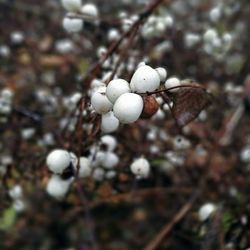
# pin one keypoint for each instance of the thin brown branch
(95, 69)
(166, 230)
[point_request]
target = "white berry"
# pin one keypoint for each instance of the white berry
(84, 167)
(58, 160)
(206, 211)
(140, 167)
(111, 160)
(162, 73)
(58, 187)
(172, 82)
(109, 141)
(109, 123)
(90, 10)
(72, 24)
(100, 102)
(145, 79)
(128, 107)
(116, 88)
(16, 192)
(98, 174)
(210, 35)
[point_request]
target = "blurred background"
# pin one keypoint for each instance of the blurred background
(43, 70)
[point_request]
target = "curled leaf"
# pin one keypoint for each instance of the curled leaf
(188, 102)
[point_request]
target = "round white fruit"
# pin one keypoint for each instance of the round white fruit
(162, 73)
(128, 107)
(58, 160)
(58, 187)
(90, 10)
(100, 102)
(116, 88)
(109, 123)
(109, 141)
(111, 160)
(84, 167)
(145, 79)
(72, 25)
(206, 211)
(140, 167)
(172, 82)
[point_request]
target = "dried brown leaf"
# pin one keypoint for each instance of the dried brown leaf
(188, 102)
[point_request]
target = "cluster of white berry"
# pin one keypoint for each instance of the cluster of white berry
(99, 164)
(16, 194)
(156, 25)
(6, 96)
(215, 44)
(73, 24)
(122, 102)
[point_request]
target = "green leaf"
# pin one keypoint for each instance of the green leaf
(8, 219)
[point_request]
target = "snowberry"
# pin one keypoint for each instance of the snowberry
(90, 10)
(72, 5)
(128, 107)
(215, 14)
(16, 192)
(191, 39)
(110, 174)
(210, 35)
(162, 73)
(109, 141)
(101, 51)
(116, 88)
(5, 51)
(169, 21)
(126, 24)
(100, 102)
(6, 94)
(159, 115)
(72, 24)
(17, 37)
(58, 160)
(245, 154)
(27, 133)
(19, 206)
(98, 174)
(206, 211)
(145, 79)
(97, 158)
(110, 161)
(180, 143)
(75, 98)
(64, 46)
(84, 167)
(109, 123)
(172, 82)
(113, 34)
(57, 187)
(140, 167)
(141, 64)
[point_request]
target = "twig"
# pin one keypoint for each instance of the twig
(124, 51)
(94, 70)
(231, 125)
(169, 226)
